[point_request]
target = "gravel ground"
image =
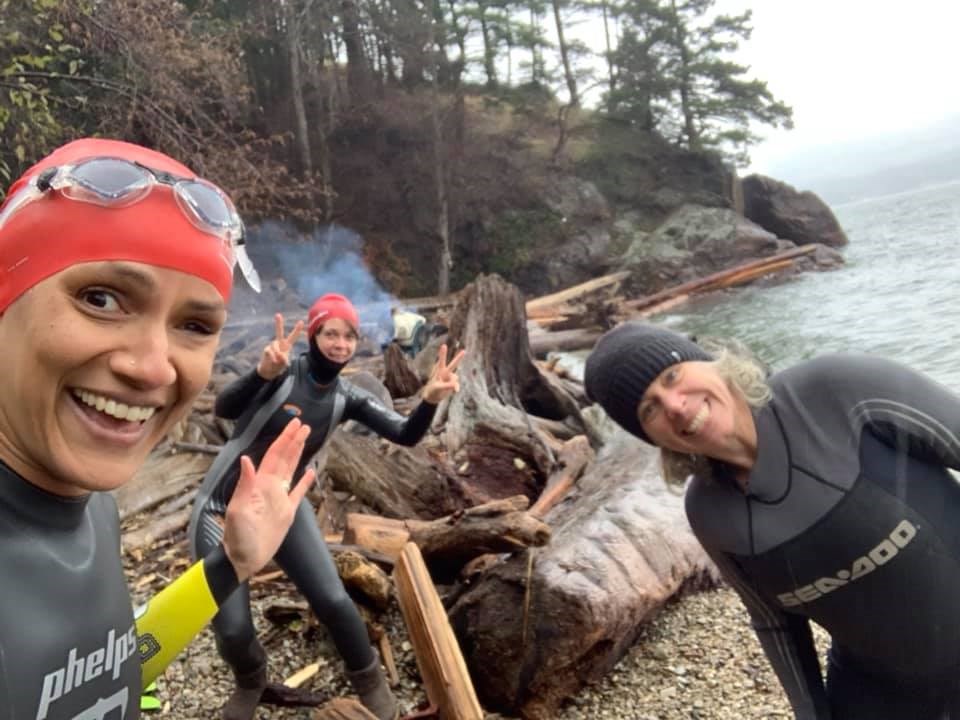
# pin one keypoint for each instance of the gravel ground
(698, 660)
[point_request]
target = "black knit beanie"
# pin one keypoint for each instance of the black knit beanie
(626, 360)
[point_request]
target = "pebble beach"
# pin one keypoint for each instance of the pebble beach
(697, 660)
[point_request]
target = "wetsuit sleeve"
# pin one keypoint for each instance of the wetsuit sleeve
(364, 407)
(170, 619)
(787, 641)
(902, 407)
(236, 397)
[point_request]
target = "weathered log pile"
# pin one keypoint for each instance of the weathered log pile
(554, 530)
(573, 319)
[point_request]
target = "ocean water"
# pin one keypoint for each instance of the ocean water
(898, 294)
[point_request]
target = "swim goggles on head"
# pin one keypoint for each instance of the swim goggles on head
(116, 183)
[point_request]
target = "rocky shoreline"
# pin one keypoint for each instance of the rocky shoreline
(698, 660)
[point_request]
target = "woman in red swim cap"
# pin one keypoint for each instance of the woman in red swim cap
(308, 386)
(116, 266)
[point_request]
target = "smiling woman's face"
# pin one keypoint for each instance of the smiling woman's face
(690, 408)
(337, 340)
(100, 361)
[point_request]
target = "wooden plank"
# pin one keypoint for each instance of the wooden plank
(302, 675)
(438, 654)
(753, 273)
(661, 307)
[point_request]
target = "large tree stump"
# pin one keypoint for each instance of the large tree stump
(497, 449)
(540, 625)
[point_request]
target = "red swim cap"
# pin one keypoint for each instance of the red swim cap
(330, 306)
(52, 233)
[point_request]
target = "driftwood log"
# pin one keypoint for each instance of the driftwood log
(448, 543)
(739, 274)
(540, 625)
(537, 620)
(395, 481)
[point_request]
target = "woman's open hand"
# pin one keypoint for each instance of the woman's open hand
(263, 505)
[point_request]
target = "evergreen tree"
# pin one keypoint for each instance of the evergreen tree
(717, 102)
(643, 94)
(676, 76)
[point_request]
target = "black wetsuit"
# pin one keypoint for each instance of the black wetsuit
(262, 409)
(851, 520)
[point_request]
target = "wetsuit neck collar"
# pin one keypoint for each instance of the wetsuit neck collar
(322, 369)
(37, 506)
(769, 479)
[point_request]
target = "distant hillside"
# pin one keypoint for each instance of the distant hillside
(933, 170)
(880, 165)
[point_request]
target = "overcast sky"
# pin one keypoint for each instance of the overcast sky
(849, 68)
(852, 68)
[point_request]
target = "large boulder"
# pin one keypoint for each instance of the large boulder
(574, 199)
(783, 210)
(578, 246)
(695, 241)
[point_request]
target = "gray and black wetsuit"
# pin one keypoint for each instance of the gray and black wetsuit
(262, 409)
(852, 520)
(68, 645)
(71, 646)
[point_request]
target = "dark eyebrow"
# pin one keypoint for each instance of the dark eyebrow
(199, 306)
(133, 274)
(147, 284)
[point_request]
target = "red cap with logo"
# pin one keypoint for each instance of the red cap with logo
(52, 233)
(330, 306)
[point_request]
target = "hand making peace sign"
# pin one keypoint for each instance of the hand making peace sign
(276, 355)
(443, 380)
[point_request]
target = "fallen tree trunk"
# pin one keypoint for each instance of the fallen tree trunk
(621, 548)
(164, 476)
(542, 343)
(156, 530)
